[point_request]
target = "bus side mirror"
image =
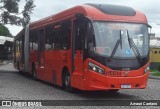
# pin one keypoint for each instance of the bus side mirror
(149, 26)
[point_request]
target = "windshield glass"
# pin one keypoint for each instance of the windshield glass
(108, 33)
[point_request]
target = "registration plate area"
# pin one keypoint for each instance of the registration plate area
(125, 86)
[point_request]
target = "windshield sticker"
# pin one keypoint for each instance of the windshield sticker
(128, 52)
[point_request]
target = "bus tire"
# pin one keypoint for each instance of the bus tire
(34, 72)
(67, 82)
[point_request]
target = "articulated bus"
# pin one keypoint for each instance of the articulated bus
(87, 47)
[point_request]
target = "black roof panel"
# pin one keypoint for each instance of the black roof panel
(114, 9)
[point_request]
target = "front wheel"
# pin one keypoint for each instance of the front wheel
(67, 82)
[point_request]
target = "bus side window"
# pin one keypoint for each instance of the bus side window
(49, 42)
(35, 40)
(56, 34)
(80, 30)
(66, 34)
(17, 47)
(89, 41)
(31, 40)
(41, 39)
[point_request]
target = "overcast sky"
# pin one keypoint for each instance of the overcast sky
(45, 8)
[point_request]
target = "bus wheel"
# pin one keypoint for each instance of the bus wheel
(34, 72)
(66, 82)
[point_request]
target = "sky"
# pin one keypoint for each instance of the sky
(46, 8)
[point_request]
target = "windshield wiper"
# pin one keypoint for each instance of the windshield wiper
(119, 41)
(134, 48)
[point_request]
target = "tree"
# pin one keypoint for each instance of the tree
(4, 31)
(9, 12)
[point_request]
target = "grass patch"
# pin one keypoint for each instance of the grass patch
(155, 72)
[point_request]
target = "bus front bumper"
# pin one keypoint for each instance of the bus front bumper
(100, 82)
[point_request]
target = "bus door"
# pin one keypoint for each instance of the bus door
(41, 67)
(78, 45)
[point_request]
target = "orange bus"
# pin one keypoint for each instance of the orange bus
(87, 47)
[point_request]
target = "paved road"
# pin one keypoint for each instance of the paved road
(15, 86)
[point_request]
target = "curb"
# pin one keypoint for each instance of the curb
(154, 77)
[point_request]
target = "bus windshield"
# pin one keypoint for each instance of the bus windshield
(108, 33)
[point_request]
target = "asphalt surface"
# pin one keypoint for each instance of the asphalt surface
(16, 86)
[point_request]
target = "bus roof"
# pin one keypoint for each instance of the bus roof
(97, 12)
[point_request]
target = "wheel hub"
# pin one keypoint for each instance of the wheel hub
(67, 81)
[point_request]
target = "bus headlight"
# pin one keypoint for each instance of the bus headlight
(146, 69)
(96, 68)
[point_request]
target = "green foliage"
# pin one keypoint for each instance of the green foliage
(11, 5)
(155, 72)
(9, 12)
(28, 8)
(4, 31)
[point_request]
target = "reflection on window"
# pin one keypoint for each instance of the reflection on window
(57, 36)
(66, 32)
(35, 45)
(49, 42)
(33, 40)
